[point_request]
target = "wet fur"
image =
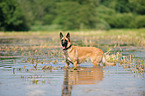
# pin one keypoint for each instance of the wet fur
(77, 55)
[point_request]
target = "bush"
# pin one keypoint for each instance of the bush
(139, 21)
(72, 15)
(12, 17)
(120, 20)
(48, 18)
(113, 19)
(103, 13)
(108, 17)
(45, 27)
(102, 24)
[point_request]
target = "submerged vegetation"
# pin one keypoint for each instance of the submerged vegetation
(42, 49)
(33, 62)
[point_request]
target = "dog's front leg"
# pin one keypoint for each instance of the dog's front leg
(66, 63)
(75, 65)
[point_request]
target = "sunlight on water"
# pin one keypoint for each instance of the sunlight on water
(35, 67)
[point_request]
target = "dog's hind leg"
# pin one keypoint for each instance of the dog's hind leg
(105, 63)
(95, 63)
(96, 60)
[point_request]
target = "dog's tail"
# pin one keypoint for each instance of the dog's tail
(105, 63)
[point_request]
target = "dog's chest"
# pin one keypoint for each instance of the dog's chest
(73, 56)
(69, 56)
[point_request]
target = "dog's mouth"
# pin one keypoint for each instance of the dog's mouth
(64, 44)
(63, 47)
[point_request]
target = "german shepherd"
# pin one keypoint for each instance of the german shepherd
(77, 55)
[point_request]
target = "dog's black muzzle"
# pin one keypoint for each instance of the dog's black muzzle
(64, 43)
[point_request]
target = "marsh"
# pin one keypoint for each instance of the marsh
(34, 65)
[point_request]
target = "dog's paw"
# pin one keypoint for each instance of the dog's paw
(75, 68)
(66, 67)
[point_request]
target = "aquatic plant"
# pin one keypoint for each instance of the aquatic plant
(43, 51)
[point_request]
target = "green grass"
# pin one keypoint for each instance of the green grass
(114, 32)
(131, 36)
(41, 43)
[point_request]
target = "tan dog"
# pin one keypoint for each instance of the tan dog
(77, 55)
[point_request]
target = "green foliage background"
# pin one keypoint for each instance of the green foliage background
(21, 15)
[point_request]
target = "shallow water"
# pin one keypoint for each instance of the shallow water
(18, 77)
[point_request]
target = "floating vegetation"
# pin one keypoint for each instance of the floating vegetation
(36, 78)
(44, 52)
(135, 65)
(34, 62)
(35, 81)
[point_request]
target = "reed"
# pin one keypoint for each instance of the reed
(43, 48)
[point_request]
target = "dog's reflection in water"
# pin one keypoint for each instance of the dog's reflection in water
(81, 76)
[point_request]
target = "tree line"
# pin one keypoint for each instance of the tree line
(21, 15)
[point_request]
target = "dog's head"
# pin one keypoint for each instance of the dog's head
(65, 41)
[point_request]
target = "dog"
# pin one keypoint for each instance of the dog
(77, 55)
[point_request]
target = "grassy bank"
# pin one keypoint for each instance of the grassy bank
(114, 32)
(43, 47)
(134, 37)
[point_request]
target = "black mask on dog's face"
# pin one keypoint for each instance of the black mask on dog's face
(65, 40)
(64, 43)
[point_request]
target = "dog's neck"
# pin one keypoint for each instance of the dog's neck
(67, 48)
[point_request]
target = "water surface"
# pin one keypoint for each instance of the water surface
(20, 77)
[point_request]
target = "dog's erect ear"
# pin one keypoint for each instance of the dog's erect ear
(68, 36)
(61, 35)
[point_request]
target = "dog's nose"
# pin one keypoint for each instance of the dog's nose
(63, 41)
(63, 44)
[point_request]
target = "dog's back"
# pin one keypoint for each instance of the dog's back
(77, 55)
